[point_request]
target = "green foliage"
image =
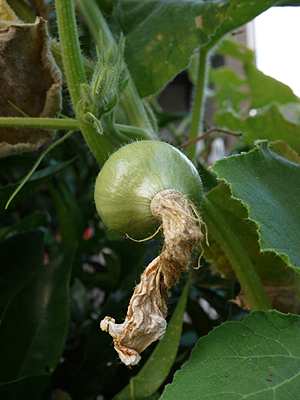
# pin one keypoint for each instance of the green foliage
(256, 104)
(62, 270)
(27, 388)
(262, 125)
(265, 182)
(34, 181)
(263, 89)
(270, 269)
(261, 363)
(15, 270)
(161, 36)
(41, 308)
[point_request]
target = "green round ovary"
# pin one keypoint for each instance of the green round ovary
(130, 179)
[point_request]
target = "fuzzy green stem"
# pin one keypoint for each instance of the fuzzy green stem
(40, 123)
(75, 75)
(198, 106)
(237, 256)
(71, 54)
(131, 102)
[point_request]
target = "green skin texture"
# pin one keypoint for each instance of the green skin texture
(132, 176)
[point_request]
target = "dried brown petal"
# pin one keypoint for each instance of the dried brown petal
(145, 321)
(29, 79)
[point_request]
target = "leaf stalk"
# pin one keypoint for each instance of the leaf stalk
(40, 123)
(198, 106)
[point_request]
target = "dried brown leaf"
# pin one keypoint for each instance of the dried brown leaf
(30, 80)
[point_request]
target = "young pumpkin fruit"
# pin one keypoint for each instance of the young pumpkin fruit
(130, 179)
(142, 185)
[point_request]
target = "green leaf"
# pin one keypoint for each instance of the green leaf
(283, 150)
(276, 278)
(239, 13)
(265, 182)
(258, 358)
(291, 112)
(288, 3)
(270, 269)
(21, 256)
(35, 323)
(162, 35)
(158, 366)
(66, 222)
(231, 48)
(26, 388)
(72, 200)
(153, 397)
(269, 123)
(81, 305)
(229, 88)
(35, 181)
(263, 89)
(276, 108)
(30, 222)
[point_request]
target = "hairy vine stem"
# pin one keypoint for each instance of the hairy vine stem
(76, 77)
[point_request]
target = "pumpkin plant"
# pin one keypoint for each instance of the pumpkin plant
(111, 196)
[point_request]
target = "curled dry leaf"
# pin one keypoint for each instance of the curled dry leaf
(30, 80)
(145, 321)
